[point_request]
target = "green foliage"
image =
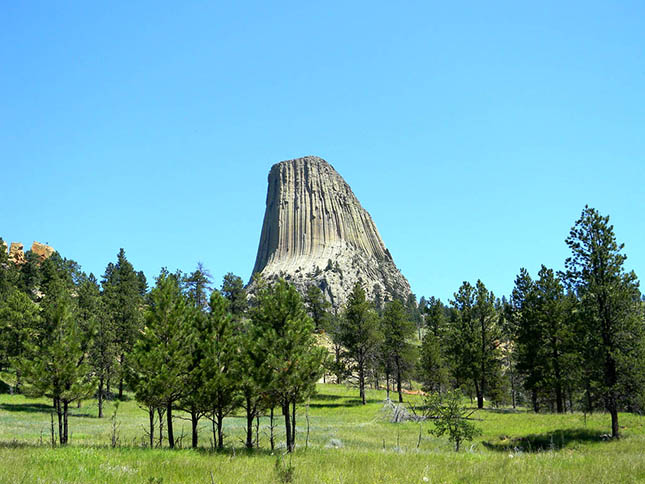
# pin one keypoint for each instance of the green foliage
(450, 417)
(293, 358)
(233, 290)
(57, 367)
(197, 285)
(360, 334)
(431, 369)
(540, 317)
(475, 335)
(317, 306)
(8, 272)
(19, 323)
(123, 290)
(611, 309)
(160, 358)
(219, 363)
(397, 353)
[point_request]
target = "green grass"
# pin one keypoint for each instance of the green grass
(514, 447)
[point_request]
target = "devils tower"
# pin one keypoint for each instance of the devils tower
(315, 231)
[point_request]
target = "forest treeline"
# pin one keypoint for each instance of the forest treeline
(564, 340)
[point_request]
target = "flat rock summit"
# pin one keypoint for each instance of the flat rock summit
(315, 231)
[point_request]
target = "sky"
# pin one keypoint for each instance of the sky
(474, 133)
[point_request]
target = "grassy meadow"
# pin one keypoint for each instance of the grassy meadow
(347, 443)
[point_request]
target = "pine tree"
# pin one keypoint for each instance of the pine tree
(397, 329)
(19, 322)
(56, 365)
(527, 333)
(475, 338)
(95, 322)
(160, 357)
(610, 304)
(233, 290)
(317, 306)
(221, 364)
(197, 284)
(122, 293)
(431, 369)
(359, 334)
(296, 363)
(9, 274)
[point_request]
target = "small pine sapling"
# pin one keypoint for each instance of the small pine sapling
(451, 417)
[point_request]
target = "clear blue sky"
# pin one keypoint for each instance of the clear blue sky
(473, 132)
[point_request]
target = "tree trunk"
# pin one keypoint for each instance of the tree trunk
(220, 425)
(100, 396)
(398, 381)
(151, 418)
(287, 425)
(214, 429)
(194, 420)
(361, 383)
(271, 438)
(615, 431)
(160, 412)
(387, 384)
(534, 400)
(65, 426)
(559, 399)
(18, 380)
(171, 437)
(480, 395)
(293, 425)
(250, 414)
(59, 413)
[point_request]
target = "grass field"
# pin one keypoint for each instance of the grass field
(347, 443)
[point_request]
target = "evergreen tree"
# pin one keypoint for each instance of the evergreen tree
(475, 337)
(57, 367)
(435, 316)
(123, 297)
(398, 354)
(295, 362)
(19, 322)
(431, 369)
(317, 306)
(160, 357)
(555, 343)
(197, 284)
(414, 313)
(336, 365)
(610, 304)
(221, 365)
(29, 275)
(8, 272)
(233, 290)
(95, 323)
(527, 334)
(359, 334)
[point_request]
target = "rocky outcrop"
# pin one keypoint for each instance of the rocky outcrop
(17, 253)
(315, 231)
(42, 250)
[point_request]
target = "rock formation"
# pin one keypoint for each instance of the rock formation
(42, 250)
(17, 251)
(316, 232)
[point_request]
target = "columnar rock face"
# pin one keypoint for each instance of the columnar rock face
(316, 232)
